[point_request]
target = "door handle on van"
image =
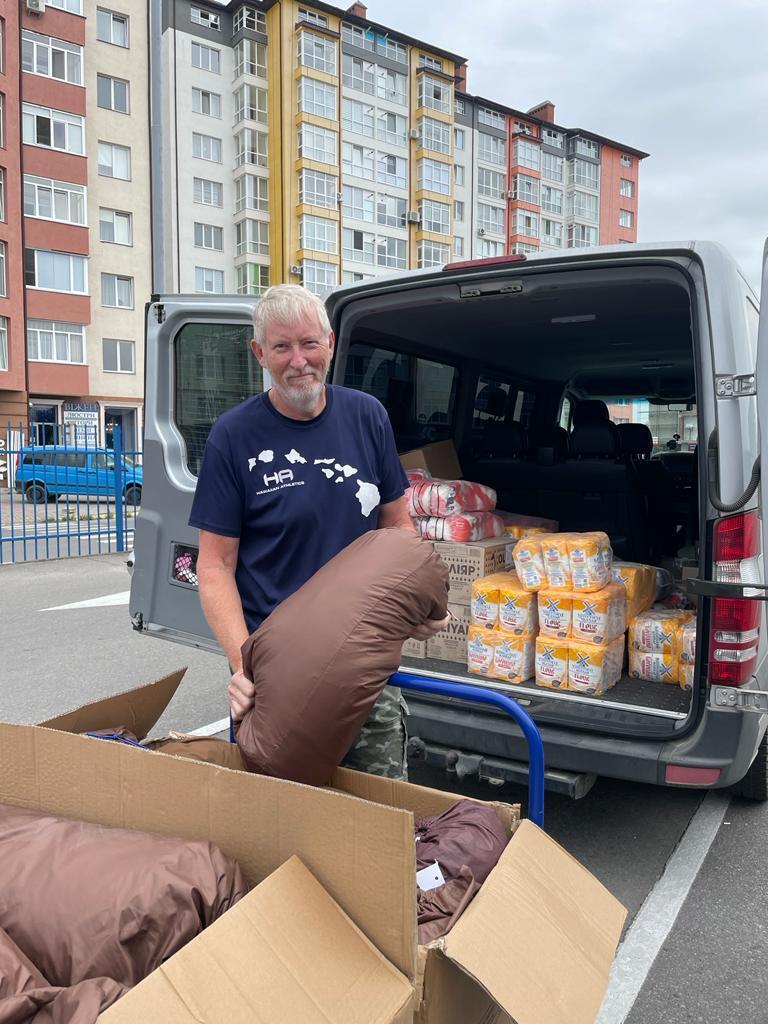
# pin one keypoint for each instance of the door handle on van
(712, 588)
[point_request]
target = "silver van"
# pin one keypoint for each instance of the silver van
(529, 364)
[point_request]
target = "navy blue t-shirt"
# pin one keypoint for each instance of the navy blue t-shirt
(296, 492)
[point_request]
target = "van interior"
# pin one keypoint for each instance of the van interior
(561, 389)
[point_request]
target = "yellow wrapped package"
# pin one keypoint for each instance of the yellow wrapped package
(685, 677)
(517, 607)
(594, 668)
(640, 583)
(656, 667)
(513, 657)
(484, 605)
(551, 663)
(520, 532)
(481, 644)
(590, 558)
(529, 563)
(601, 616)
(658, 632)
(555, 613)
(557, 564)
(688, 641)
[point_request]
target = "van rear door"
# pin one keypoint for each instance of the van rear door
(197, 365)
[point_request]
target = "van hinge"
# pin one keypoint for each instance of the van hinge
(739, 699)
(735, 385)
(159, 312)
(469, 291)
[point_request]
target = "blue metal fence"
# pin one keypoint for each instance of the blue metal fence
(64, 499)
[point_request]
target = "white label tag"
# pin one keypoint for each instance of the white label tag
(430, 877)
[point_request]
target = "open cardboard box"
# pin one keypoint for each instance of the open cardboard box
(328, 934)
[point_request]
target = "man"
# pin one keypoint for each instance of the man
(289, 478)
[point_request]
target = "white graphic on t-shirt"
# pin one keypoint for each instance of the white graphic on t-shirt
(346, 470)
(266, 456)
(324, 462)
(339, 480)
(293, 456)
(251, 464)
(327, 472)
(368, 496)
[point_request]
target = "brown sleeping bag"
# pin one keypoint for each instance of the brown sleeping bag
(200, 748)
(84, 901)
(321, 659)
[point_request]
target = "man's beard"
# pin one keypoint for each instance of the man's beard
(303, 396)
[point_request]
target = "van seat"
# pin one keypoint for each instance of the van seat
(590, 411)
(657, 488)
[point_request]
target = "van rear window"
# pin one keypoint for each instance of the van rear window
(418, 394)
(214, 371)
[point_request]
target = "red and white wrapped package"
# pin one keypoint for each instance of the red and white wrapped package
(462, 527)
(447, 497)
(415, 475)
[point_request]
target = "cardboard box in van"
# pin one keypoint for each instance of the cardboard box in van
(450, 644)
(440, 459)
(328, 934)
(414, 648)
(469, 562)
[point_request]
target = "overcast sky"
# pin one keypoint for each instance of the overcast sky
(683, 80)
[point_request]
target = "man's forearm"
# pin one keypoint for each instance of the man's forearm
(223, 610)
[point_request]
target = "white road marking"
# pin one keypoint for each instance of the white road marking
(109, 600)
(211, 730)
(657, 916)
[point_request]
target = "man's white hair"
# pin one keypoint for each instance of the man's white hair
(285, 304)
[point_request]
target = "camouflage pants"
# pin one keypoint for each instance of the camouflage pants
(380, 747)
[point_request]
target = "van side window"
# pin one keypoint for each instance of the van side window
(214, 371)
(418, 394)
(493, 399)
(565, 414)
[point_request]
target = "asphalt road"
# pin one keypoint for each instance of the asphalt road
(710, 969)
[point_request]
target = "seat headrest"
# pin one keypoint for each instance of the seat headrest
(555, 438)
(590, 411)
(491, 400)
(596, 440)
(635, 439)
(504, 439)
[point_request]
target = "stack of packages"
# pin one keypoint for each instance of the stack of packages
(452, 510)
(502, 633)
(662, 646)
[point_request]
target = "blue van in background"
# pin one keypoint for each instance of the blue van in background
(45, 471)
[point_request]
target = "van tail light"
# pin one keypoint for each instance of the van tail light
(735, 624)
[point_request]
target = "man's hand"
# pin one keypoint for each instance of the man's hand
(429, 628)
(241, 693)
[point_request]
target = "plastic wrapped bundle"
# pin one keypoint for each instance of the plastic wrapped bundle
(555, 613)
(484, 605)
(594, 668)
(601, 616)
(557, 562)
(655, 667)
(518, 611)
(688, 641)
(640, 584)
(529, 563)
(481, 644)
(416, 475)
(447, 497)
(519, 526)
(514, 657)
(461, 527)
(590, 557)
(658, 632)
(551, 664)
(685, 674)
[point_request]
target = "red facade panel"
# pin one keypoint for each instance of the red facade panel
(48, 234)
(58, 379)
(612, 202)
(49, 92)
(54, 22)
(43, 305)
(50, 163)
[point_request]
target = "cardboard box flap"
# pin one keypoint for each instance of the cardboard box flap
(137, 709)
(439, 458)
(286, 952)
(541, 934)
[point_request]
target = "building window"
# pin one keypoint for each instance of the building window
(117, 356)
(459, 175)
(524, 247)
(552, 232)
(526, 223)
(205, 18)
(358, 203)
(2, 120)
(553, 138)
(252, 279)
(390, 211)
(250, 148)
(114, 161)
(209, 236)
(249, 17)
(626, 218)
(435, 94)
(434, 176)
(582, 205)
(552, 166)
(581, 236)
(319, 278)
(252, 237)
(318, 189)
(357, 117)
(358, 246)
(391, 170)
(52, 58)
(112, 93)
(357, 161)
(582, 172)
(50, 341)
(390, 48)
(3, 342)
(458, 245)
(251, 193)
(2, 194)
(317, 144)
(435, 216)
(458, 211)
(117, 290)
(317, 98)
(3, 279)
(207, 58)
(71, 6)
(208, 193)
(55, 271)
(204, 102)
(115, 226)
(315, 51)
(358, 74)
(489, 248)
(250, 58)
(355, 276)
(527, 188)
(313, 17)
(459, 106)
(626, 161)
(490, 183)
(627, 188)
(54, 200)
(251, 104)
(357, 36)
(527, 154)
(432, 254)
(206, 147)
(585, 147)
(435, 135)
(551, 199)
(391, 128)
(425, 61)
(490, 218)
(390, 252)
(53, 129)
(491, 149)
(392, 86)
(459, 138)
(318, 233)
(209, 280)
(112, 27)
(493, 118)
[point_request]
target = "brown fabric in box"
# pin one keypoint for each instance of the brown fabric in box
(321, 659)
(200, 748)
(468, 834)
(84, 901)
